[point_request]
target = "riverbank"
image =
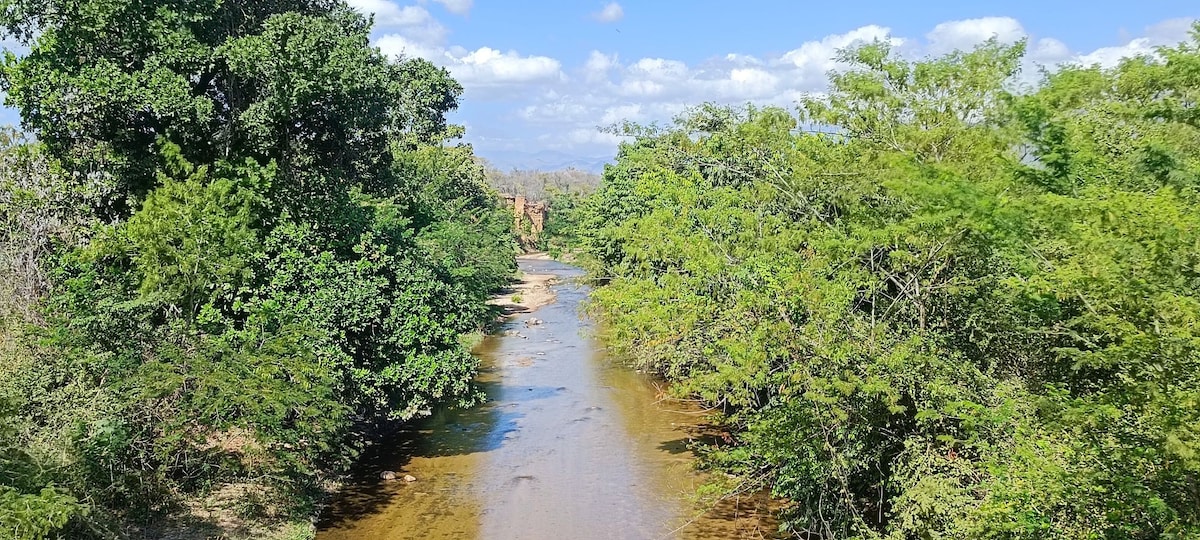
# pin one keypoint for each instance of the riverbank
(569, 444)
(528, 291)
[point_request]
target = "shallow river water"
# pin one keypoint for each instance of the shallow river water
(568, 445)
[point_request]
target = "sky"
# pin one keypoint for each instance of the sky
(540, 76)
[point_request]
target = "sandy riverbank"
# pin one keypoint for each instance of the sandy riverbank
(528, 292)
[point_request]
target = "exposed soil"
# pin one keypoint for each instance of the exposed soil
(527, 293)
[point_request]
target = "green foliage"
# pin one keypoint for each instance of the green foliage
(564, 213)
(944, 311)
(264, 240)
(30, 506)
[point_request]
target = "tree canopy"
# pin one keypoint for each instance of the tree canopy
(255, 232)
(930, 304)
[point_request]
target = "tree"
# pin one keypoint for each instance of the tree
(945, 311)
(280, 245)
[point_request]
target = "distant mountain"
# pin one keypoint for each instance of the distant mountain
(546, 160)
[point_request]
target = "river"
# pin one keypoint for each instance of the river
(569, 444)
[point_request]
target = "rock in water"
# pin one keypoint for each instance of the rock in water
(387, 475)
(410, 478)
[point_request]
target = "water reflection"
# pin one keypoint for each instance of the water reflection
(568, 445)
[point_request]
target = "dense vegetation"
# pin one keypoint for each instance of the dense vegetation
(540, 185)
(241, 232)
(565, 211)
(933, 303)
(562, 192)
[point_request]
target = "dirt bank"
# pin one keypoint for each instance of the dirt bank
(568, 257)
(526, 294)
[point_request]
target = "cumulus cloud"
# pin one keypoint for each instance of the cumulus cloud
(411, 31)
(598, 65)
(480, 70)
(396, 45)
(1049, 51)
(1168, 32)
(414, 22)
(619, 113)
(490, 67)
(749, 83)
(605, 89)
(965, 34)
(821, 54)
(609, 90)
(610, 13)
(391, 14)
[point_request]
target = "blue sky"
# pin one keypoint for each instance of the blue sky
(541, 75)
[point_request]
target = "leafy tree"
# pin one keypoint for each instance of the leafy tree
(277, 243)
(945, 311)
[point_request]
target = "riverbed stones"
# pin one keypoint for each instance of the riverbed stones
(410, 478)
(387, 475)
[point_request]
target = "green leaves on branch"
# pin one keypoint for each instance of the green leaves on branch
(275, 246)
(940, 310)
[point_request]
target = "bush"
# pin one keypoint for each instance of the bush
(915, 331)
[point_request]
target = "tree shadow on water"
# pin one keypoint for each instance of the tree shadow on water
(446, 433)
(750, 515)
(697, 437)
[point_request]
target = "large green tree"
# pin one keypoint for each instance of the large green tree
(281, 242)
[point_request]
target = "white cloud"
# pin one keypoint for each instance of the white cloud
(1168, 32)
(1049, 51)
(482, 69)
(598, 65)
(1110, 56)
(400, 45)
(415, 33)
(636, 88)
(660, 69)
(629, 111)
(742, 60)
(612, 12)
(557, 112)
(490, 67)
(562, 110)
(414, 22)
(806, 66)
(457, 7)
(749, 84)
(965, 34)
(390, 14)
(821, 53)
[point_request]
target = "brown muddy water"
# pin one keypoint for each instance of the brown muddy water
(568, 445)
